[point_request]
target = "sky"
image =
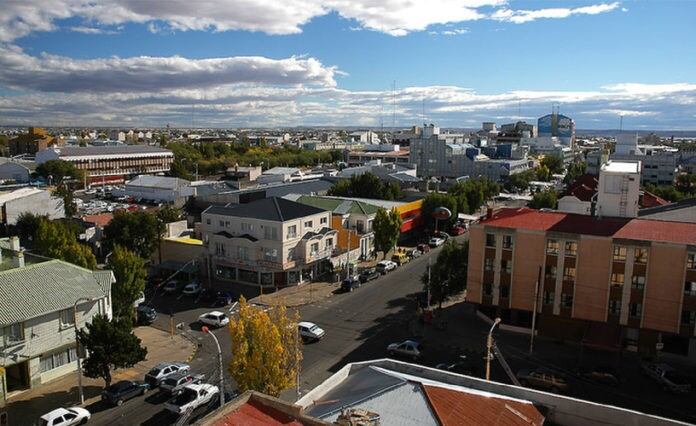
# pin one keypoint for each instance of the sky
(268, 63)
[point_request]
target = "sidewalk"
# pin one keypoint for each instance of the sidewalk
(298, 295)
(62, 392)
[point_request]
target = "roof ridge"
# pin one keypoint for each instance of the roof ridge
(277, 206)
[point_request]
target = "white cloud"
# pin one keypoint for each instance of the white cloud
(451, 32)
(93, 30)
(523, 16)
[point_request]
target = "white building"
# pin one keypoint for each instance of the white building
(659, 163)
(37, 338)
(158, 188)
(619, 189)
(29, 200)
(368, 137)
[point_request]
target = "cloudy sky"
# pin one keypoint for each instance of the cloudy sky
(241, 63)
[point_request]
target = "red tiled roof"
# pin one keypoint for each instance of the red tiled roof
(584, 187)
(99, 219)
(455, 408)
(254, 413)
(651, 200)
(632, 229)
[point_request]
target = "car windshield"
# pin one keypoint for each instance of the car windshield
(313, 328)
(185, 397)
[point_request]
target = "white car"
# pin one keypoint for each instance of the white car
(407, 348)
(214, 319)
(65, 417)
(436, 242)
(310, 332)
(192, 289)
(385, 266)
(191, 397)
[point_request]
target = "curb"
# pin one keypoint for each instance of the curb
(195, 344)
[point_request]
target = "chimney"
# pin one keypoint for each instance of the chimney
(18, 260)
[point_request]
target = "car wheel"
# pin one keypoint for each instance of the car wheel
(142, 392)
(119, 402)
(84, 420)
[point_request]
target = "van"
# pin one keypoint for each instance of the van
(400, 258)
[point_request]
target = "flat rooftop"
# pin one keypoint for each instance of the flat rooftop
(621, 166)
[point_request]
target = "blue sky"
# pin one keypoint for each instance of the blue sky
(257, 63)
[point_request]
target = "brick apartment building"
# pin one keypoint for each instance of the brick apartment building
(610, 283)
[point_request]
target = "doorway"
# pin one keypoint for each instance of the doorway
(17, 376)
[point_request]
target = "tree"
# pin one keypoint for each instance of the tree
(136, 231)
(575, 170)
(110, 344)
(449, 273)
(519, 182)
(387, 228)
(366, 185)
(554, 163)
(435, 200)
(26, 226)
(472, 193)
(266, 351)
(129, 270)
(66, 194)
(542, 173)
(544, 200)
(58, 170)
(57, 240)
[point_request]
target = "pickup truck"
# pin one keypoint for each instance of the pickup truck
(191, 397)
(666, 376)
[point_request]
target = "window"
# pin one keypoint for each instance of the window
(688, 317)
(243, 253)
(638, 282)
(270, 254)
(308, 224)
(551, 246)
(328, 244)
(314, 249)
(551, 272)
(691, 261)
(247, 227)
(488, 264)
(569, 273)
(207, 221)
(617, 279)
(14, 333)
(567, 300)
(67, 318)
(635, 310)
(504, 291)
(487, 289)
(507, 241)
(690, 288)
(220, 249)
(641, 256)
(490, 240)
(323, 221)
(292, 231)
(58, 359)
(571, 248)
(222, 223)
(548, 297)
(619, 254)
(270, 233)
(360, 226)
(615, 307)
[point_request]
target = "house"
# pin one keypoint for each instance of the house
(397, 393)
(37, 336)
(270, 242)
(29, 200)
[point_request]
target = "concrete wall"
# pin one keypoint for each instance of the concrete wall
(474, 279)
(39, 204)
(664, 287)
(571, 204)
(529, 256)
(591, 297)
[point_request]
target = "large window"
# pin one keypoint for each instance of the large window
(548, 297)
(270, 254)
(550, 272)
(243, 253)
(617, 279)
(308, 224)
(569, 273)
(58, 359)
(292, 231)
(247, 227)
(552, 246)
(504, 291)
(690, 288)
(615, 307)
(490, 240)
(67, 318)
(635, 310)
(314, 249)
(688, 317)
(328, 244)
(14, 333)
(567, 300)
(506, 266)
(641, 256)
(247, 276)
(220, 249)
(270, 233)
(323, 221)
(619, 254)
(507, 241)
(571, 248)
(488, 263)
(638, 282)
(691, 261)
(487, 289)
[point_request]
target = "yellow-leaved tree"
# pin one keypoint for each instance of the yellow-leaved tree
(266, 350)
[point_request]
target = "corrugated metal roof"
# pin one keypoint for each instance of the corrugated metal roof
(46, 287)
(78, 151)
(160, 182)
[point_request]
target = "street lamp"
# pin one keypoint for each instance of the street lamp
(489, 348)
(222, 375)
(77, 349)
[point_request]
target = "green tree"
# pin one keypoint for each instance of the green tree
(66, 194)
(129, 270)
(366, 185)
(542, 173)
(544, 200)
(449, 273)
(136, 231)
(57, 240)
(474, 192)
(266, 350)
(58, 171)
(27, 224)
(574, 171)
(387, 228)
(554, 163)
(109, 345)
(519, 182)
(435, 200)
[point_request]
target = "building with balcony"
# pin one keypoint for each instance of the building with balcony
(111, 164)
(270, 242)
(611, 283)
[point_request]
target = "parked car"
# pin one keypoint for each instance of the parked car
(122, 391)
(161, 371)
(414, 253)
(666, 376)
(174, 384)
(310, 332)
(222, 299)
(436, 242)
(145, 314)
(214, 319)
(192, 289)
(385, 266)
(65, 417)
(423, 248)
(400, 258)
(601, 375)
(368, 274)
(172, 286)
(458, 230)
(408, 348)
(543, 380)
(350, 284)
(191, 397)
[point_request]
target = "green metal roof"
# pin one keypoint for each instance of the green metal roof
(339, 206)
(47, 287)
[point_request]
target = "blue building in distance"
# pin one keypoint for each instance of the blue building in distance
(558, 125)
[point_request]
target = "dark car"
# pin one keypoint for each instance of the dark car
(458, 230)
(222, 299)
(122, 391)
(423, 248)
(601, 375)
(350, 284)
(145, 314)
(368, 274)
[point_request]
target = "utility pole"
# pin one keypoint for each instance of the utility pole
(77, 350)
(534, 312)
(222, 372)
(428, 298)
(348, 252)
(489, 348)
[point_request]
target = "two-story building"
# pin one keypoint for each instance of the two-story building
(37, 335)
(271, 242)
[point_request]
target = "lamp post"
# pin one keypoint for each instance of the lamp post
(222, 372)
(489, 348)
(77, 349)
